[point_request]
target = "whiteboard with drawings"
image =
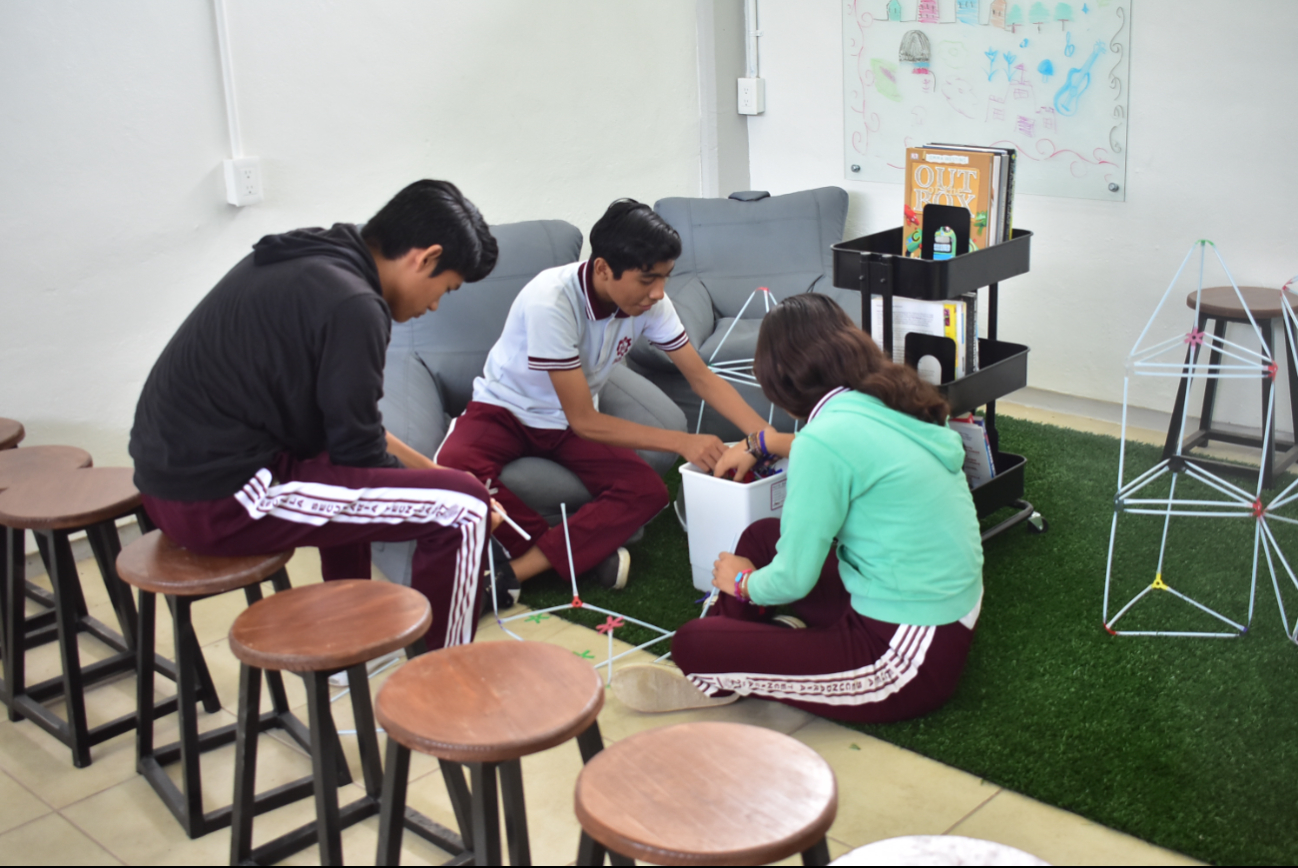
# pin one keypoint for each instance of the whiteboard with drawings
(1048, 78)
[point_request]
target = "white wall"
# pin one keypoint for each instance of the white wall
(1211, 154)
(113, 212)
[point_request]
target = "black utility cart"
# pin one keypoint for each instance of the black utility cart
(875, 265)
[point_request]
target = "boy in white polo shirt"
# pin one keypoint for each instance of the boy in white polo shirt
(539, 396)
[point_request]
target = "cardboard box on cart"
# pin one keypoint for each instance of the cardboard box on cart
(718, 510)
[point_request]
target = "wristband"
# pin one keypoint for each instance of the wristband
(761, 441)
(741, 584)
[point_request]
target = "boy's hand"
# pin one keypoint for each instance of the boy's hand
(735, 463)
(702, 450)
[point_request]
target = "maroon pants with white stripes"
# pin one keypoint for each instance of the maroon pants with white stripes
(843, 666)
(626, 491)
(341, 510)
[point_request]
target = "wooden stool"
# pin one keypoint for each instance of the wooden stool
(53, 506)
(484, 705)
(157, 565)
(1220, 304)
(19, 465)
(316, 631)
(706, 794)
(11, 433)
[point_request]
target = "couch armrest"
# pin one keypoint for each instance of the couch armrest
(412, 405)
(627, 395)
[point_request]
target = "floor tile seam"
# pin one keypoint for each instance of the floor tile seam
(975, 810)
(89, 837)
(31, 792)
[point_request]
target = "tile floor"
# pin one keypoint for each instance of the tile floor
(51, 813)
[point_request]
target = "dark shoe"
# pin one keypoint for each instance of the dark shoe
(506, 585)
(611, 572)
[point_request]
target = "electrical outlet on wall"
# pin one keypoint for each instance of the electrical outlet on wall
(752, 96)
(243, 181)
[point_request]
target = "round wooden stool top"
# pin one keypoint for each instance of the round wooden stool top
(707, 793)
(69, 499)
(11, 433)
(1220, 301)
(18, 465)
(329, 626)
(490, 702)
(154, 562)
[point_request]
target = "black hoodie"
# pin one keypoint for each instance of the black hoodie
(285, 354)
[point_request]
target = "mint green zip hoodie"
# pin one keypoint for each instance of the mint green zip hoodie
(892, 491)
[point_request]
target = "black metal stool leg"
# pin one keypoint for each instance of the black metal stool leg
(590, 742)
(391, 818)
(817, 853)
(106, 546)
(64, 579)
(486, 818)
(366, 732)
(187, 717)
(1267, 327)
(145, 651)
(589, 851)
(511, 791)
(461, 800)
(206, 689)
(323, 758)
(245, 765)
(15, 581)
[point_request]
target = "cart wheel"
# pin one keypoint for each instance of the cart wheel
(1037, 523)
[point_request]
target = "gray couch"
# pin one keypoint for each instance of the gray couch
(730, 247)
(433, 360)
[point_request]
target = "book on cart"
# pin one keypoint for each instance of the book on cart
(978, 466)
(954, 178)
(945, 321)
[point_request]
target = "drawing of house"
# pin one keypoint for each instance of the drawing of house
(928, 12)
(995, 108)
(1027, 126)
(894, 10)
(998, 14)
(1046, 115)
(966, 11)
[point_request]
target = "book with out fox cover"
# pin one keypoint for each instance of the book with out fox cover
(945, 176)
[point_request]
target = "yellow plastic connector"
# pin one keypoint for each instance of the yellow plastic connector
(1158, 583)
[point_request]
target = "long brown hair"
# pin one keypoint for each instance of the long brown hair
(809, 346)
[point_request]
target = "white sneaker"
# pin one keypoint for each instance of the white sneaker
(650, 688)
(372, 667)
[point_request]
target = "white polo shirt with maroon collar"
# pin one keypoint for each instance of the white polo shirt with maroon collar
(557, 323)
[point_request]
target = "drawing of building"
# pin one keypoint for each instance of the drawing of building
(995, 108)
(1027, 126)
(894, 10)
(1047, 117)
(998, 14)
(966, 11)
(928, 11)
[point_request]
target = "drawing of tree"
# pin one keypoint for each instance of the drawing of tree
(1039, 15)
(1063, 13)
(1014, 18)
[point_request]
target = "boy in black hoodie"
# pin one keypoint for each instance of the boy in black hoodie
(258, 429)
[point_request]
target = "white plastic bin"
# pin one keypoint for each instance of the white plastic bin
(718, 510)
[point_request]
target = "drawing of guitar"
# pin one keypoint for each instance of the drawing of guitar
(1076, 84)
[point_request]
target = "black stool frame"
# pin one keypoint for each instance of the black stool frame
(1206, 433)
(476, 809)
(71, 618)
(186, 801)
(326, 753)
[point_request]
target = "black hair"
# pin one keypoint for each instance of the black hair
(632, 235)
(435, 212)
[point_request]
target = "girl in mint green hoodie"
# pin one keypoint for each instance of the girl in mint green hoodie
(877, 550)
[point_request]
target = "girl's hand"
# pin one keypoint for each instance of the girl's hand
(727, 566)
(735, 462)
(497, 514)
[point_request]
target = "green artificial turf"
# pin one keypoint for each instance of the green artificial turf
(1191, 744)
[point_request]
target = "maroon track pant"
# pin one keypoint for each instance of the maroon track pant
(843, 666)
(341, 510)
(626, 491)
